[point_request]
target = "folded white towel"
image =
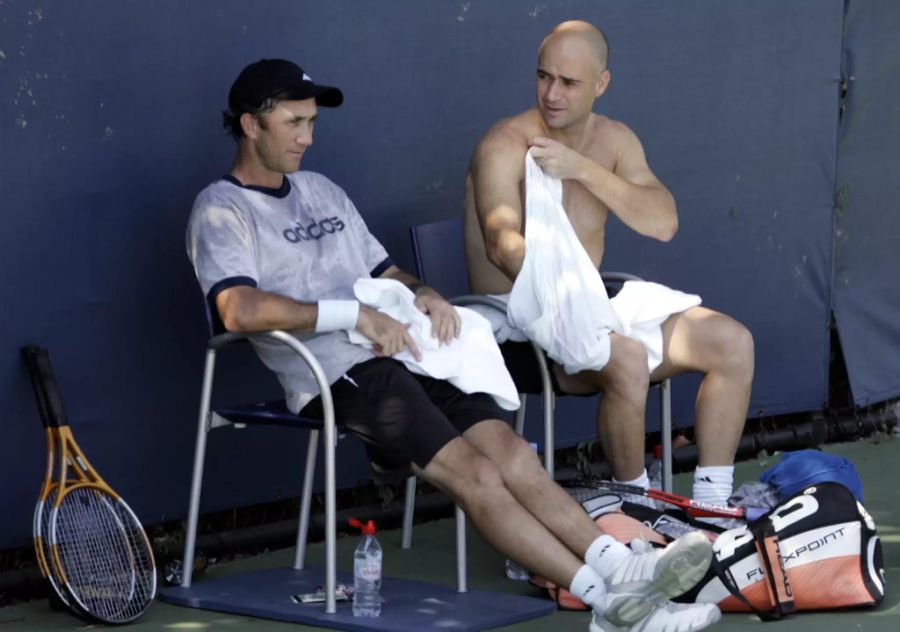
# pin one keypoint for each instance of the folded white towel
(472, 363)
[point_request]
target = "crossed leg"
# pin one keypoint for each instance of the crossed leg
(497, 479)
(500, 484)
(699, 339)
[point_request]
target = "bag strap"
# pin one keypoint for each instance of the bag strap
(780, 594)
(766, 539)
(727, 578)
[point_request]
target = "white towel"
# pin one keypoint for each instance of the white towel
(559, 300)
(472, 363)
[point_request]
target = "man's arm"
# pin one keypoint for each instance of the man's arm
(445, 321)
(246, 309)
(496, 169)
(631, 190)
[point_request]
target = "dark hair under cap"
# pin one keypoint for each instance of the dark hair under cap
(268, 79)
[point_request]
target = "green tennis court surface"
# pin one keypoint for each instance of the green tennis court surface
(432, 558)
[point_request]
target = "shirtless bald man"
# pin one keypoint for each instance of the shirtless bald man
(603, 168)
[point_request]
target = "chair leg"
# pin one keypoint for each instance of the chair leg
(549, 432)
(190, 535)
(520, 416)
(329, 441)
(460, 550)
(547, 390)
(306, 500)
(409, 506)
(665, 407)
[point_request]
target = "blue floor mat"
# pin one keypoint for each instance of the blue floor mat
(407, 605)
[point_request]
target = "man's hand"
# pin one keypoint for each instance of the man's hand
(445, 322)
(390, 336)
(557, 160)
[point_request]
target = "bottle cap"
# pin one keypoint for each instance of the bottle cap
(657, 451)
(367, 529)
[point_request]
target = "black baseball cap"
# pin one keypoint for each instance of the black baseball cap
(277, 78)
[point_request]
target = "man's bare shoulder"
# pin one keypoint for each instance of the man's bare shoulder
(508, 139)
(611, 132)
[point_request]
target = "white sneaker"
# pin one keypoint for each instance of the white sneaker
(665, 617)
(651, 576)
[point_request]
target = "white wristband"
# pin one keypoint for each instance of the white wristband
(336, 315)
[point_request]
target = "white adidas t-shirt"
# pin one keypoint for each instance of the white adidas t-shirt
(305, 241)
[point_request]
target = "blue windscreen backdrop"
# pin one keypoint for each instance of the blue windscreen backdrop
(867, 233)
(110, 123)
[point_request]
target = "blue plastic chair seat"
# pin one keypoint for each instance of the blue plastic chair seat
(271, 413)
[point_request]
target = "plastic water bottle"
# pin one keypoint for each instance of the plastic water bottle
(654, 472)
(366, 572)
(516, 572)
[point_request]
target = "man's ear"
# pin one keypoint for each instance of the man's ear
(602, 83)
(250, 125)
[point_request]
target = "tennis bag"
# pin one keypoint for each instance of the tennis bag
(816, 551)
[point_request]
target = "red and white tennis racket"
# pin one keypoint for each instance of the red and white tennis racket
(690, 506)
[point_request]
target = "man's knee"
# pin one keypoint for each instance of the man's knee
(733, 348)
(626, 373)
(522, 461)
(478, 485)
(460, 468)
(484, 474)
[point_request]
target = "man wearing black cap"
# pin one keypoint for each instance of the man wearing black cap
(278, 248)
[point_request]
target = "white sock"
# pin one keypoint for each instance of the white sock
(713, 483)
(641, 481)
(588, 586)
(605, 555)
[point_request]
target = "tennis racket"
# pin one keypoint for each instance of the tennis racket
(41, 522)
(690, 506)
(95, 548)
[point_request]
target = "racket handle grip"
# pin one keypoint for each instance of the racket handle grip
(755, 513)
(46, 389)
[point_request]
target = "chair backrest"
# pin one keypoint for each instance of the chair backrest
(440, 256)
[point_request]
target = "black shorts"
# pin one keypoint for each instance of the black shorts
(525, 372)
(524, 368)
(400, 416)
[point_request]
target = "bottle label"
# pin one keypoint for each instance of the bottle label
(369, 568)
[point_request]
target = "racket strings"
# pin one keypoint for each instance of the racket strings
(45, 510)
(583, 494)
(104, 555)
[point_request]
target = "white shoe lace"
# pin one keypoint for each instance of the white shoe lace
(639, 566)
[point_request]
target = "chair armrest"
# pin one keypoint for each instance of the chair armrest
(539, 356)
(282, 337)
(478, 299)
(619, 276)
